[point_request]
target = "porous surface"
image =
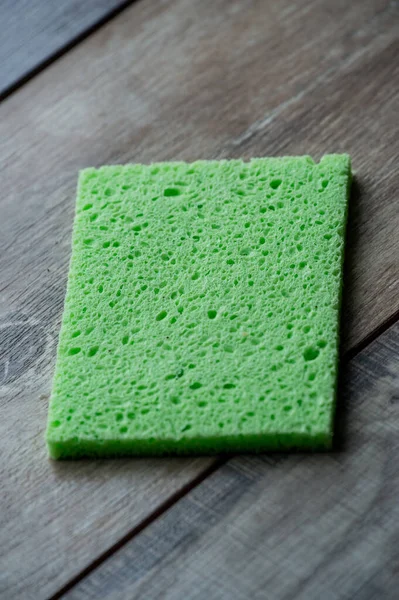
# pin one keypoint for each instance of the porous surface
(202, 308)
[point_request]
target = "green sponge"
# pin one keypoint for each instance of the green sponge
(202, 308)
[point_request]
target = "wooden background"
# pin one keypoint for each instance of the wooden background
(111, 82)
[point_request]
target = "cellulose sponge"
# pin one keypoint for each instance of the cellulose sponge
(202, 309)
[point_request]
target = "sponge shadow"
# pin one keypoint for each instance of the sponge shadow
(346, 320)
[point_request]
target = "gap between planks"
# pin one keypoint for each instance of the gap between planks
(158, 512)
(64, 49)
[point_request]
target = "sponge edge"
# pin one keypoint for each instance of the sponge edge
(202, 308)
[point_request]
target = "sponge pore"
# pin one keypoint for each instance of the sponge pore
(202, 308)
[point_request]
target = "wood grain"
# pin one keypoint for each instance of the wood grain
(35, 31)
(170, 80)
(280, 527)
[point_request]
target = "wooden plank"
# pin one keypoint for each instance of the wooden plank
(280, 527)
(34, 32)
(155, 85)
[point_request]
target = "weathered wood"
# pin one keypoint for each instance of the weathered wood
(280, 527)
(35, 31)
(176, 80)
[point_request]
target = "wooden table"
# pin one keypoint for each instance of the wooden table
(97, 82)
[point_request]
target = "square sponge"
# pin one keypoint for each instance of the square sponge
(202, 308)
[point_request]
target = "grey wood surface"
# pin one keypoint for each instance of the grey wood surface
(278, 527)
(35, 31)
(170, 80)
